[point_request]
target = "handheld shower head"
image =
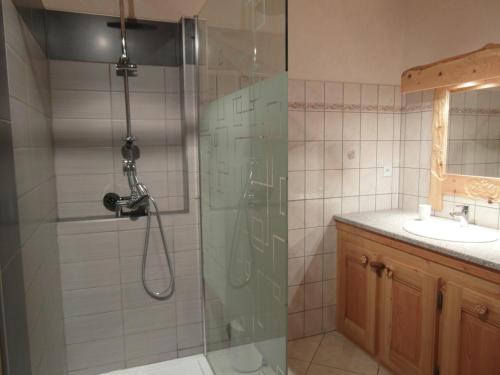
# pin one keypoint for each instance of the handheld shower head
(139, 201)
(140, 197)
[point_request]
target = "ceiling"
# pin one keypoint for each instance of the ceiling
(158, 10)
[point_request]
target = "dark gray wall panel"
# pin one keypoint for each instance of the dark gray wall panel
(15, 344)
(15, 331)
(84, 37)
(9, 230)
(15, 349)
(33, 14)
(4, 88)
(190, 38)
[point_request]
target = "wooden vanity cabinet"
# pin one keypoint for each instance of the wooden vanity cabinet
(408, 317)
(357, 286)
(418, 312)
(470, 332)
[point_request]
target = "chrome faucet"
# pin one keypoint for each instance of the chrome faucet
(463, 214)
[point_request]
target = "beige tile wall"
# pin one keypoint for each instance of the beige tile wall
(416, 142)
(29, 91)
(341, 137)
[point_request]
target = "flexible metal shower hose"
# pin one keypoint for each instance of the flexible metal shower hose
(169, 291)
(242, 210)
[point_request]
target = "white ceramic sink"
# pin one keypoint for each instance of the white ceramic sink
(450, 230)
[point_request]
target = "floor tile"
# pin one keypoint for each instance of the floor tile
(296, 367)
(384, 371)
(325, 370)
(338, 352)
(304, 349)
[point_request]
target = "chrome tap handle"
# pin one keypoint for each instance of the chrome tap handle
(463, 214)
(464, 209)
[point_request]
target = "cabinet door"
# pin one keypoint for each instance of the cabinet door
(470, 333)
(356, 295)
(408, 305)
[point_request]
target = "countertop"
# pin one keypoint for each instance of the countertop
(390, 224)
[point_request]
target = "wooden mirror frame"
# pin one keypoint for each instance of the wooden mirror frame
(476, 70)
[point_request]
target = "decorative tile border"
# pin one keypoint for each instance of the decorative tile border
(474, 111)
(334, 107)
(315, 106)
(296, 105)
(343, 107)
(418, 107)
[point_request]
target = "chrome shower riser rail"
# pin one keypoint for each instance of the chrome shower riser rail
(125, 68)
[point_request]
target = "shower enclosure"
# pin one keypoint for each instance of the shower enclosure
(243, 102)
(97, 275)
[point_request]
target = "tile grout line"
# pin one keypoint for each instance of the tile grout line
(376, 151)
(315, 352)
(304, 88)
(323, 218)
(333, 367)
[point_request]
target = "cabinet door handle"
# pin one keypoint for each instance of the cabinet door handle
(389, 273)
(364, 260)
(481, 311)
(378, 267)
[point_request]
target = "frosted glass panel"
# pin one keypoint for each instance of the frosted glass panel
(243, 169)
(243, 150)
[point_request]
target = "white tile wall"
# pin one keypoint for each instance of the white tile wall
(91, 301)
(96, 353)
(341, 136)
(29, 97)
(89, 124)
(105, 305)
(104, 300)
(93, 327)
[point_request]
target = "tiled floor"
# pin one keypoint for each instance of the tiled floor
(330, 354)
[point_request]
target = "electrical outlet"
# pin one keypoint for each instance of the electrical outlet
(387, 171)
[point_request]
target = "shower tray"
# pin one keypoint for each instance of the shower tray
(194, 365)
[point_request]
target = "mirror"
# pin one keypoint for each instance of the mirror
(474, 132)
(465, 156)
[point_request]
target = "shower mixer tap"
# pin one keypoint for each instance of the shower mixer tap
(137, 203)
(128, 166)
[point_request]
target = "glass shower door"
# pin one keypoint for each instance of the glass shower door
(243, 168)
